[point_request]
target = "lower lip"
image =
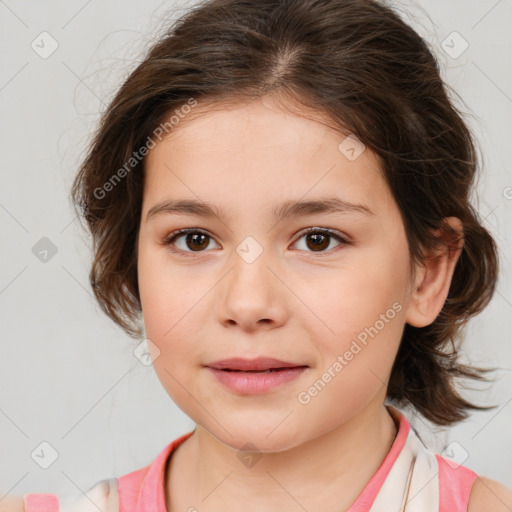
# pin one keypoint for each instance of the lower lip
(252, 383)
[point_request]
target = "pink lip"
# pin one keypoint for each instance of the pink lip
(241, 375)
(259, 363)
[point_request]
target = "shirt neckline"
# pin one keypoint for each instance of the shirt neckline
(362, 503)
(367, 496)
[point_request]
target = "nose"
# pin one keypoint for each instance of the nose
(252, 296)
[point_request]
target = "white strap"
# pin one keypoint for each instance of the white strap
(412, 484)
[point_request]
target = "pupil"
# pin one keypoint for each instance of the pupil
(318, 240)
(193, 237)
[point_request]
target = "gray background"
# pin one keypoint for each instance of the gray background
(67, 373)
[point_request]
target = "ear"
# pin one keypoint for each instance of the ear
(433, 277)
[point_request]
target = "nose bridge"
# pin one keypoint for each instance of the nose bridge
(250, 292)
(250, 269)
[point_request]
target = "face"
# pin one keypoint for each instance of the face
(325, 289)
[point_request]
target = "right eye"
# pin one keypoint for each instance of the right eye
(190, 238)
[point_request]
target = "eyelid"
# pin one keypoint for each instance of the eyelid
(332, 232)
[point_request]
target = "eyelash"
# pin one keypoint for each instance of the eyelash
(168, 241)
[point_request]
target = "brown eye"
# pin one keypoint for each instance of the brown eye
(196, 241)
(318, 240)
(188, 240)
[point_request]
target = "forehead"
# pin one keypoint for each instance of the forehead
(258, 152)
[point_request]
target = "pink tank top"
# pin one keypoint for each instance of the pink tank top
(143, 489)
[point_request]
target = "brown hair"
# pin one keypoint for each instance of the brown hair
(360, 65)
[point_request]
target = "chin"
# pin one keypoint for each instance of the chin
(256, 437)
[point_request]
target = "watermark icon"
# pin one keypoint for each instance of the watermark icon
(44, 250)
(44, 45)
(44, 455)
(138, 156)
(249, 455)
(304, 397)
(351, 147)
(144, 350)
(454, 45)
(507, 192)
(455, 454)
(249, 249)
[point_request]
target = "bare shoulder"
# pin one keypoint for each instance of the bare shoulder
(487, 494)
(12, 504)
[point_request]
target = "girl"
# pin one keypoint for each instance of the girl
(279, 192)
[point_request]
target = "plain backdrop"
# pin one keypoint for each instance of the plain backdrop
(68, 376)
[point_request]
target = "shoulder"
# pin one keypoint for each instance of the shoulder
(12, 504)
(487, 494)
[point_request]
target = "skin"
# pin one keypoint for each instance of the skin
(292, 303)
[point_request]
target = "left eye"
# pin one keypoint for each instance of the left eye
(194, 240)
(320, 239)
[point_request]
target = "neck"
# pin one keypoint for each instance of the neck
(340, 462)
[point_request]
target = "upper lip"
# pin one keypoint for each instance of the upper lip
(259, 363)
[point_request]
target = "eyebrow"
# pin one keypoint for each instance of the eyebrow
(285, 210)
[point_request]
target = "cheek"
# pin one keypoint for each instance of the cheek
(164, 294)
(172, 307)
(362, 315)
(170, 325)
(356, 361)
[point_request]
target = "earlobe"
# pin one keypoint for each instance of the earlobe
(434, 276)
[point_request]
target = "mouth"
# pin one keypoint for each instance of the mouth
(257, 365)
(255, 376)
(270, 370)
